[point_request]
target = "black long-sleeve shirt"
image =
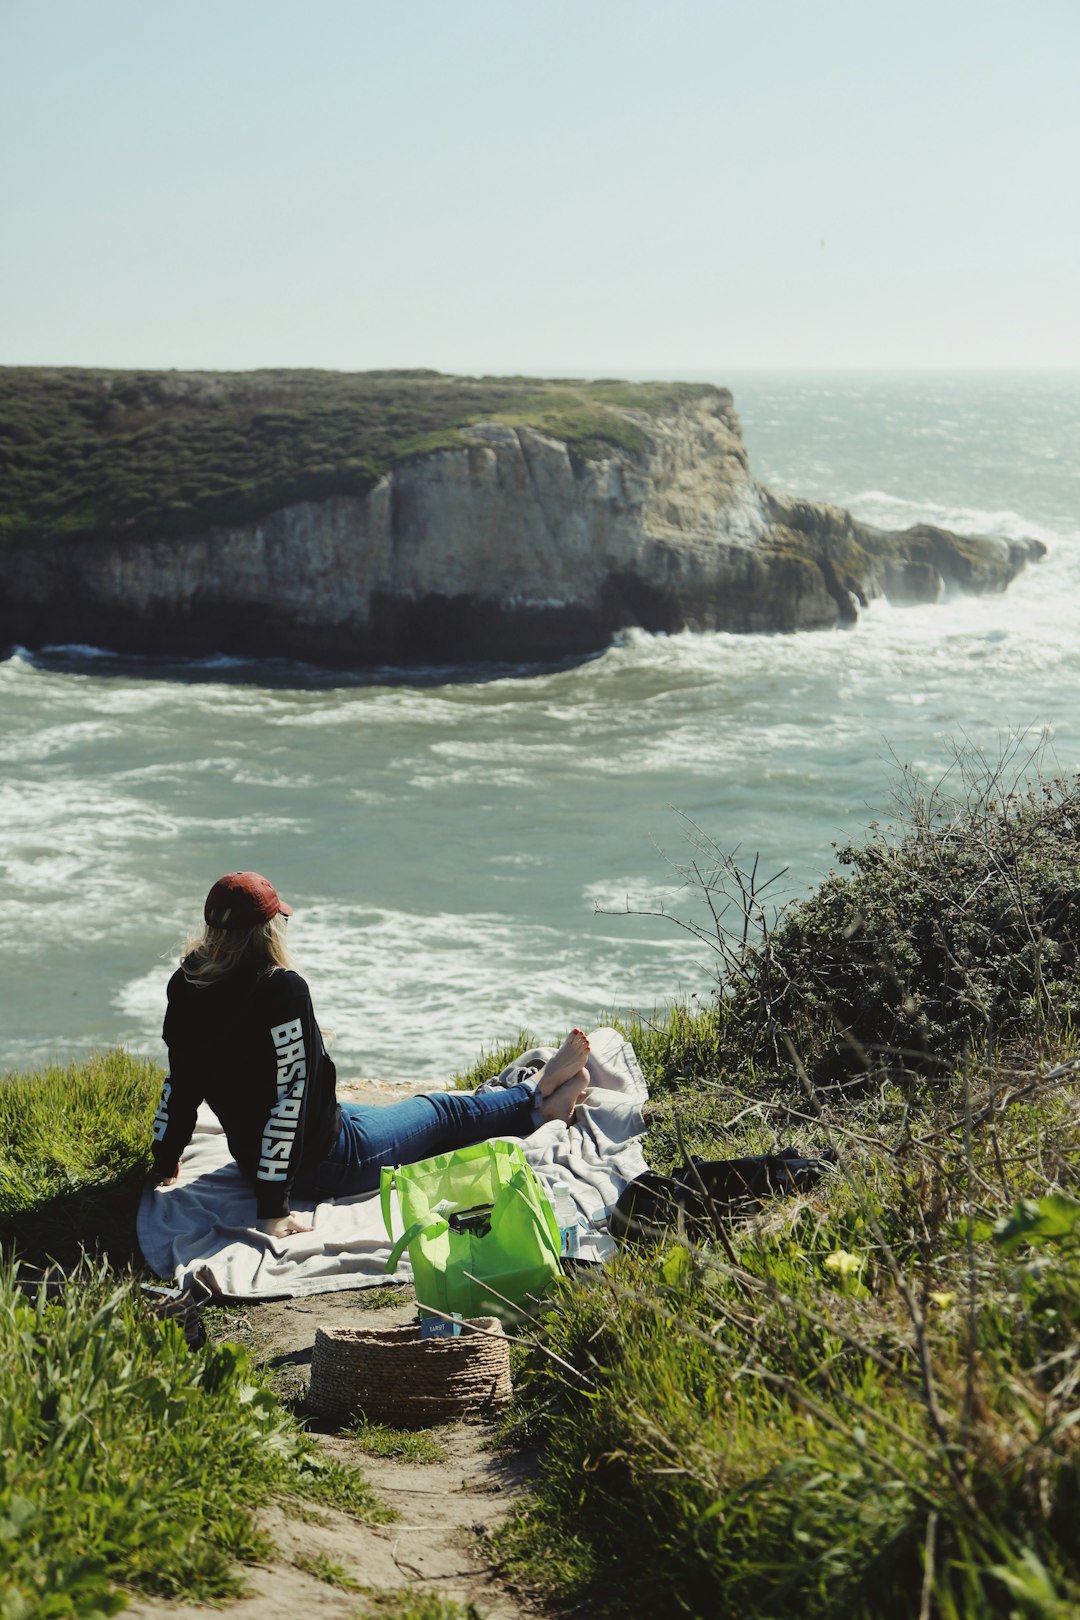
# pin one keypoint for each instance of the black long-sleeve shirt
(248, 1045)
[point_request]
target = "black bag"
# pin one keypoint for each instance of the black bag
(706, 1191)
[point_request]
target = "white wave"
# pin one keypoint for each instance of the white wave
(484, 754)
(77, 649)
(178, 771)
(119, 698)
(886, 510)
(56, 740)
(411, 996)
(507, 777)
(80, 858)
(633, 892)
(225, 661)
(363, 707)
(157, 663)
(290, 781)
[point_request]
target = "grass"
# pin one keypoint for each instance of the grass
(492, 1061)
(406, 1604)
(329, 1571)
(876, 1400)
(133, 1462)
(381, 1297)
(74, 1152)
(401, 1445)
(113, 453)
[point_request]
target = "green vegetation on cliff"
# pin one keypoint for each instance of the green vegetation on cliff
(96, 453)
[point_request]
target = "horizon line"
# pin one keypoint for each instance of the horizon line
(574, 372)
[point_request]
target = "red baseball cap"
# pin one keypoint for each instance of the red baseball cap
(243, 900)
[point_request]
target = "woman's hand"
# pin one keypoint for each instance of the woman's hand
(283, 1225)
(172, 1178)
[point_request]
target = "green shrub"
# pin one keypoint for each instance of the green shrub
(957, 932)
(963, 934)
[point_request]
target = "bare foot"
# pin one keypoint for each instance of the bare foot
(567, 1061)
(564, 1099)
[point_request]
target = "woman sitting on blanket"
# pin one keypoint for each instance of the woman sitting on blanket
(242, 1037)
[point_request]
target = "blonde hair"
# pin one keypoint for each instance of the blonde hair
(217, 951)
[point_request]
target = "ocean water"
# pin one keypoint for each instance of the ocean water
(472, 851)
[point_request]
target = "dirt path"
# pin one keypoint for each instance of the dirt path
(447, 1508)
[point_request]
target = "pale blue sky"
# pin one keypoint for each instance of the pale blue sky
(558, 185)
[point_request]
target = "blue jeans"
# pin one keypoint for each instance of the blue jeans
(412, 1129)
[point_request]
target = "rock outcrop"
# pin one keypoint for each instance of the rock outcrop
(508, 546)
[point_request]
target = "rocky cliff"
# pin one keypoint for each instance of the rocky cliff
(507, 543)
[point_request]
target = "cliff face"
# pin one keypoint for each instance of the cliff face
(510, 546)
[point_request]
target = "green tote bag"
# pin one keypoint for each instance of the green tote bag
(480, 1230)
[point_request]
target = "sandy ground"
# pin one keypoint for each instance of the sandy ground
(447, 1509)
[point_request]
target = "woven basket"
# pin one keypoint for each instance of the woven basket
(392, 1375)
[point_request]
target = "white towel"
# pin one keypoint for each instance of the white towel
(201, 1231)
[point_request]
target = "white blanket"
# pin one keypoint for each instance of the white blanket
(201, 1231)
